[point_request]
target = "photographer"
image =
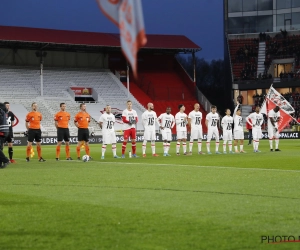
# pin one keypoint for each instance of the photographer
(4, 130)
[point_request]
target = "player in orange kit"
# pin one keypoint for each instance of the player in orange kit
(33, 125)
(62, 119)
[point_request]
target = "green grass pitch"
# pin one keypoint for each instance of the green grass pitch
(178, 202)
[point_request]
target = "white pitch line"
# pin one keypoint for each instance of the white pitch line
(217, 167)
(179, 165)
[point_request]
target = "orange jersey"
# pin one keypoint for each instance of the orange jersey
(83, 119)
(62, 118)
(34, 118)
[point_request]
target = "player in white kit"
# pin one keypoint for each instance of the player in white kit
(149, 120)
(181, 122)
(238, 130)
(106, 123)
(130, 119)
(194, 121)
(212, 121)
(227, 124)
(256, 120)
(273, 133)
(167, 122)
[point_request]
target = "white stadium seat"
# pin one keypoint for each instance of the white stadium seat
(24, 88)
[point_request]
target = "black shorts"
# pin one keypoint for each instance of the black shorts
(9, 138)
(34, 134)
(83, 134)
(63, 134)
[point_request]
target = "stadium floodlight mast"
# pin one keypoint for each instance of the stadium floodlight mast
(41, 55)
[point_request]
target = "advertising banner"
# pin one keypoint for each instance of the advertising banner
(82, 91)
(22, 141)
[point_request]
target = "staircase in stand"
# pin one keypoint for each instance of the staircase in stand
(261, 58)
(139, 94)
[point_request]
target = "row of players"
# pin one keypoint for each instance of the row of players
(166, 121)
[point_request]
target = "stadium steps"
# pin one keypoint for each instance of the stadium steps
(139, 94)
(261, 58)
(164, 85)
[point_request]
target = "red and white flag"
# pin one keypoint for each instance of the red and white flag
(274, 96)
(273, 99)
(128, 16)
(110, 9)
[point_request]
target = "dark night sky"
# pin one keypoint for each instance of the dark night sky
(199, 20)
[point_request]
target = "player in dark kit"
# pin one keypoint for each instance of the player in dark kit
(4, 128)
(9, 139)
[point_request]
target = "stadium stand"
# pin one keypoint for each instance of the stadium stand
(244, 53)
(87, 60)
(25, 88)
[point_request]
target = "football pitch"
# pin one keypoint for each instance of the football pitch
(213, 201)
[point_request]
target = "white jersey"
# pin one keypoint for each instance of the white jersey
(238, 123)
(256, 120)
(227, 122)
(149, 120)
(130, 115)
(167, 121)
(275, 116)
(108, 121)
(181, 121)
(238, 120)
(212, 120)
(196, 118)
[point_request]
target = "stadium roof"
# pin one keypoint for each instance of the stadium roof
(91, 39)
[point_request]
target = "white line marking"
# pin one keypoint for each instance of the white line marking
(177, 165)
(180, 165)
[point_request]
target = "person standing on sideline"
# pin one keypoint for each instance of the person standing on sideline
(249, 128)
(211, 122)
(227, 124)
(4, 130)
(273, 119)
(181, 122)
(167, 122)
(238, 131)
(33, 125)
(149, 119)
(130, 119)
(9, 139)
(106, 123)
(81, 121)
(256, 120)
(62, 119)
(194, 122)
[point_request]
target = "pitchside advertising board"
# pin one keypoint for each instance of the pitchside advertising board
(22, 141)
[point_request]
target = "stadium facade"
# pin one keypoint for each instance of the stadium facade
(261, 43)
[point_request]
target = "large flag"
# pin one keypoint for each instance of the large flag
(273, 99)
(128, 16)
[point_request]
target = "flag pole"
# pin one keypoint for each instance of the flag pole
(267, 95)
(296, 121)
